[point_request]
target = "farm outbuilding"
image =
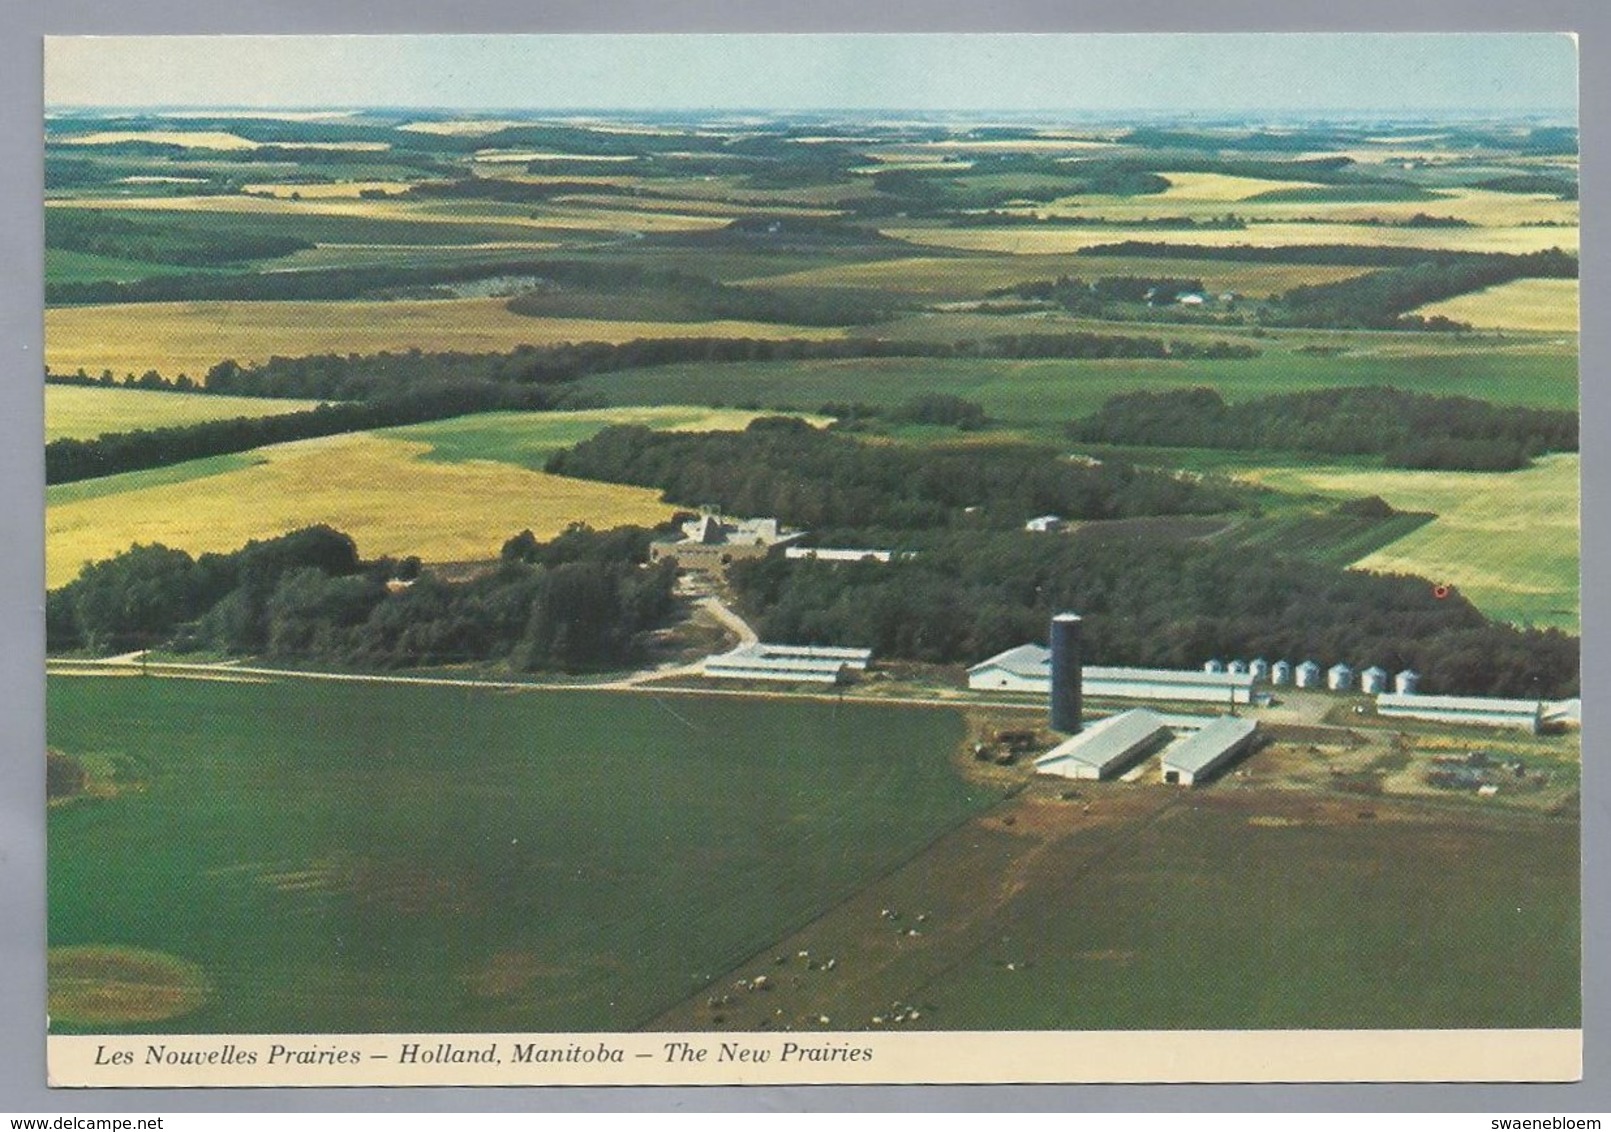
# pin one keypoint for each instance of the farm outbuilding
(1191, 759)
(811, 664)
(1340, 677)
(1406, 682)
(1281, 672)
(1046, 524)
(1373, 681)
(712, 541)
(1480, 710)
(1027, 668)
(1237, 668)
(1259, 669)
(1307, 675)
(1105, 746)
(1215, 665)
(838, 554)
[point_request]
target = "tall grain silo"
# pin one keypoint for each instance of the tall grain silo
(1066, 663)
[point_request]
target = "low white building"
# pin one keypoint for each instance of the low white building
(1192, 758)
(1105, 746)
(1046, 524)
(1483, 711)
(838, 554)
(1028, 668)
(808, 664)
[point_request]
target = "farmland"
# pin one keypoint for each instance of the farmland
(190, 338)
(1038, 393)
(524, 853)
(1507, 541)
(415, 823)
(418, 859)
(85, 411)
(1029, 240)
(1526, 304)
(386, 496)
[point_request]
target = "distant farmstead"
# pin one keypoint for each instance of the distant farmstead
(712, 541)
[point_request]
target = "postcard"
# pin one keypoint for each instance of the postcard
(766, 559)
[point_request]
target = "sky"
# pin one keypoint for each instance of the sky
(1209, 74)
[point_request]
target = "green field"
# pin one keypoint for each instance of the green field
(1507, 540)
(1430, 922)
(528, 439)
(85, 412)
(1041, 392)
(452, 859)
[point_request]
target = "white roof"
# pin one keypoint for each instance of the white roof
(1459, 703)
(1197, 752)
(1036, 661)
(1107, 741)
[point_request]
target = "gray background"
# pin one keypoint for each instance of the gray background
(22, 931)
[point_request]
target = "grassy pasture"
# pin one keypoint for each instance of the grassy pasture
(1028, 240)
(84, 412)
(191, 337)
(1508, 541)
(970, 277)
(377, 489)
(1522, 304)
(1050, 392)
(410, 858)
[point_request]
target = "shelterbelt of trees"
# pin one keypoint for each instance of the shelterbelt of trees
(812, 478)
(1408, 430)
(679, 294)
(406, 388)
(577, 603)
(1147, 599)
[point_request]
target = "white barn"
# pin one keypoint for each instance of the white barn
(1191, 759)
(1028, 668)
(1483, 711)
(1105, 746)
(809, 664)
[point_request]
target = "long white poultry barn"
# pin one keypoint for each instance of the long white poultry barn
(1028, 668)
(1105, 746)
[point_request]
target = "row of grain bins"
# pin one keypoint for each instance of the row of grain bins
(1339, 677)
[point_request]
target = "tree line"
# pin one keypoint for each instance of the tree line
(817, 479)
(1408, 430)
(1148, 600)
(99, 233)
(579, 602)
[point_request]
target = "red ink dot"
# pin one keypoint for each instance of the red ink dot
(1440, 592)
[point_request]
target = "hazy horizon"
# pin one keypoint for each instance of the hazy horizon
(1294, 76)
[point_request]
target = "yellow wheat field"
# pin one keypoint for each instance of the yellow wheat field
(1061, 240)
(974, 276)
(190, 338)
(190, 139)
(377, 489)
(1549, 305)
(83, 412)
(1220, 187)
